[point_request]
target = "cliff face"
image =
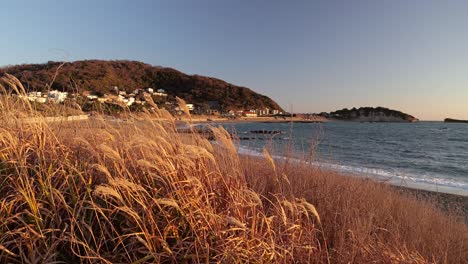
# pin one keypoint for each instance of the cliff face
(98, 76)
(370, 114)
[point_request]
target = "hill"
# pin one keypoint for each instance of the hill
(370, 114)
(99, 76)
(451, 120)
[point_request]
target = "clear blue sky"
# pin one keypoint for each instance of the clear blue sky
(314, 55)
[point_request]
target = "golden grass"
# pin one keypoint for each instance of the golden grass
(99, 191)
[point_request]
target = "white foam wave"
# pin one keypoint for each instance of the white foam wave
(396, 178)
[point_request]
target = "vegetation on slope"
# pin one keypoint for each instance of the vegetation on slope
(139, 192)
(451, 120)
(369, 114)
(99, 76)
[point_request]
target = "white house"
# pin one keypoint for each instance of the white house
(160, 94)
(131, 100)
(41, 100)
(249, 114)
(190, 107)
(263, 112)
(57, 96)
(36, 97)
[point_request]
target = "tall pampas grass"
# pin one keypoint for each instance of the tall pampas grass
(99, 191)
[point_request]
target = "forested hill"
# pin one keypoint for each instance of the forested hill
(99, 76)
(369, 114)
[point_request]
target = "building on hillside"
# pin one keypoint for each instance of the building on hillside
(160, 92)
(263, 112)
(35, 94)
(251, 113)
(57, 97)
(40, 100)
(190, 107)
(150, 90)
(130, 101)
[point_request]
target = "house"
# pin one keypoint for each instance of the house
(40, 100)
(130, 101)
(35, 94)
(190, 107)
(160, 94)
(150, 90)
(263, 112)
(251, 113)
(57, 96)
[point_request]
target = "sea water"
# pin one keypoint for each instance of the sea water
(424, 155)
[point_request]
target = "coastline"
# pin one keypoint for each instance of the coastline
(447, 198)
(441, 196)
(213, 119)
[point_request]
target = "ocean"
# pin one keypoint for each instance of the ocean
(423, 155)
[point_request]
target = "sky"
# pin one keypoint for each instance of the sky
(309, 56)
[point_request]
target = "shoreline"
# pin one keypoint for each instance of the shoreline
(213, 119)
(448, 201)
(442, 195)
(391, 181)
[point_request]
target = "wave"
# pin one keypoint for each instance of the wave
(393, 177)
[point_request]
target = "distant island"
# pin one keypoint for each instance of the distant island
(369, 114)
(451, 120)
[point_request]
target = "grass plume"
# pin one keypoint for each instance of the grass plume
(139, 192)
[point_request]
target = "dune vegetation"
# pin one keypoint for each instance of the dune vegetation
(133, 190)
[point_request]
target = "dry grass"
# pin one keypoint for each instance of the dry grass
(138, 192)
